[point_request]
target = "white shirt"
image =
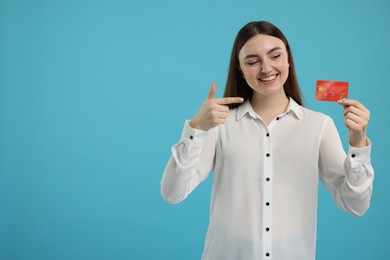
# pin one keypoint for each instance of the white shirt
(265, 187)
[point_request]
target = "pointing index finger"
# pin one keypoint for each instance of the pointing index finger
(229, 100)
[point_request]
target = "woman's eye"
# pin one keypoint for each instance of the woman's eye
(276, 56)
(252, 62)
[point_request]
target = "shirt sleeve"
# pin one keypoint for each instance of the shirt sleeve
(348, 177)
(191, 162)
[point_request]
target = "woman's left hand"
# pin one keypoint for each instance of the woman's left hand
(356, 118)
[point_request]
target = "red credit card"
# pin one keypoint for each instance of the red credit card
(331, 90)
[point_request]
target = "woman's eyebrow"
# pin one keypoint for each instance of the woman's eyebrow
(274, 49)
(256, 55)
(251, 56)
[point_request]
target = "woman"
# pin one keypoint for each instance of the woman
(267, 152)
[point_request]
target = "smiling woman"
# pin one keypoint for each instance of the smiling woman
(267, 153)
(264, 65)
(277, 47)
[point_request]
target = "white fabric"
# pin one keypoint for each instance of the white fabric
(302, 146)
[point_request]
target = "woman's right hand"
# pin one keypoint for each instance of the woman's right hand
(214, 111)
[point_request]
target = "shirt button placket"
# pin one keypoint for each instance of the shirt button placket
(267, 188)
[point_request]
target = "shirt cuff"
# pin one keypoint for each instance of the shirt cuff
(359, 156)
(192, 137)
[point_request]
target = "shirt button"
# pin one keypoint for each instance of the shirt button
(267, 203)
(267, 229)
(191, 137)
(353, 155)
(268, 155)
(277, 118)
(267, 135)
(267, 254)
(267, 179)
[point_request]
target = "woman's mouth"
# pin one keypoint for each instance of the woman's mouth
(268, 79)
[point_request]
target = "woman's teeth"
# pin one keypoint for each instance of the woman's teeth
(268, 78)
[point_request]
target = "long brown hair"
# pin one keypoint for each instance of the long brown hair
(236, 85)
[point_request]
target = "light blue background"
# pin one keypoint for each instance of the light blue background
(94, 93)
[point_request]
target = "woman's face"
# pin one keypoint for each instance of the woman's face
(264, 64)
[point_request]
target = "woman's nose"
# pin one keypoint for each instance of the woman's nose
(265, 67)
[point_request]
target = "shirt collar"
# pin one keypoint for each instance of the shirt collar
(246, 107)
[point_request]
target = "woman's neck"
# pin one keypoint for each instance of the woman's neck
(269, 107)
